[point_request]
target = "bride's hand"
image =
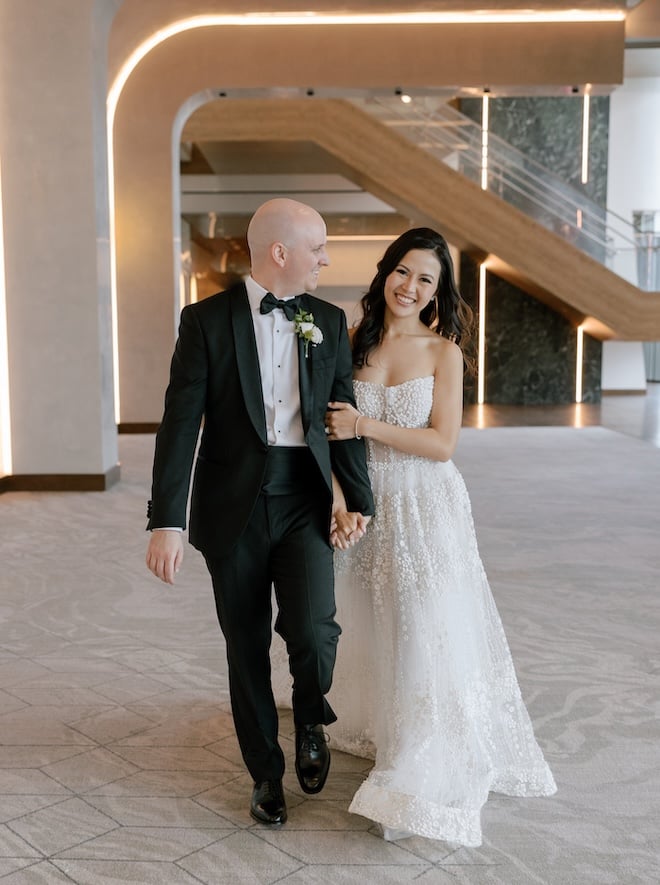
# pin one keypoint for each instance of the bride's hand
(340, 421)
(347, 528)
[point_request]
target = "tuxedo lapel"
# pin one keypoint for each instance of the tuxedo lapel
(248, 360)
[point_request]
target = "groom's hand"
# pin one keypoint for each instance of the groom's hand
(165, 554)
(347, 528)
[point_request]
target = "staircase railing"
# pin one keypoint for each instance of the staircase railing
(431, 123)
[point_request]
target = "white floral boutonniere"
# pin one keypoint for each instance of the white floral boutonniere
(303, 323)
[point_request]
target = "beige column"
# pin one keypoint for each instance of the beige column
(56, 235)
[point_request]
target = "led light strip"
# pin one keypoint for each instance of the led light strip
(481, 359)
(113, 275)
(258, 19)
(5, 410)
(485, 110)
(579, 351)
(585, 138)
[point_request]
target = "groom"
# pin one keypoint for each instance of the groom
(261, 505)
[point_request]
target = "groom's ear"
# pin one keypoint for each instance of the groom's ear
(278, 254)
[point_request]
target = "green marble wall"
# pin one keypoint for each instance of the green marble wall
(531, 348)
(549, 131)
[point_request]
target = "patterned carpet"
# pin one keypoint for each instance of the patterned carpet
(117, 756)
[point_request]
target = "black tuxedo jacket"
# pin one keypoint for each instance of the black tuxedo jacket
(215, 377)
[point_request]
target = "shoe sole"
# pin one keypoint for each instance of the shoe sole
(268, 823)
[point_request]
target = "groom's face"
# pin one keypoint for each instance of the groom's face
(305, 256)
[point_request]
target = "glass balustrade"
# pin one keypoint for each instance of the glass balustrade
(456, 140)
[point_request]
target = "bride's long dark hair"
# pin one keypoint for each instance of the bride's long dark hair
(447, 313)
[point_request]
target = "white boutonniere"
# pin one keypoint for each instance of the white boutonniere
(303, 323)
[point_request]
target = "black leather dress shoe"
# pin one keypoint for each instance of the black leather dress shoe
(267, 805)
(312, 757)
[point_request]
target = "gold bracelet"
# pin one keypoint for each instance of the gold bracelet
(355, 433)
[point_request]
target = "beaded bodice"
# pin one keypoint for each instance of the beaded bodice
(407, 405)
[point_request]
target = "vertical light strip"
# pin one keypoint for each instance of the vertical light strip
(579, 351)
(480, 417)
(193, 289)
(182, 290)
(113, 265)
(585, 138)
(484, 143)
(481, 359)
(6, 466)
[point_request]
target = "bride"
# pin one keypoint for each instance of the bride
(424, 674)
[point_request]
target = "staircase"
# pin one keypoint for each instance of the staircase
(541, 235)
(495, 165)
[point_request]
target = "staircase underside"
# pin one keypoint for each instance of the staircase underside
(385, 164)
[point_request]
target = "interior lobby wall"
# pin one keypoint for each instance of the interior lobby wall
(633, 185)
(634, 167)
(329, 57)
(52, 141)
(57, 268)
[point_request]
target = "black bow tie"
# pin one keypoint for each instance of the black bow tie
(270, 302)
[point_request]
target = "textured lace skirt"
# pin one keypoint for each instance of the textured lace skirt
(424, 676)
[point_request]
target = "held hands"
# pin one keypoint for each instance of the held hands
(165, 554)
(347, 528)
(341, 421)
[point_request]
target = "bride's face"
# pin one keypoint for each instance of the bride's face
(412, 283)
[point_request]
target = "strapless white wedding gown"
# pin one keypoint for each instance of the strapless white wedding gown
(424, 673)
(424, 680)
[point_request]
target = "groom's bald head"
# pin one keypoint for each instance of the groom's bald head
(287, 241)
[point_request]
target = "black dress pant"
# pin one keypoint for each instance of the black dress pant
(285, 544)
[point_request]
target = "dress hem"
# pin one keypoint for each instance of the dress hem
(395, 810)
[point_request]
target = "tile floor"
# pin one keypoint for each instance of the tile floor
(118, 761)
(635, 415)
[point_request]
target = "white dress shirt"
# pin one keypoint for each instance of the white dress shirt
(277, 348)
